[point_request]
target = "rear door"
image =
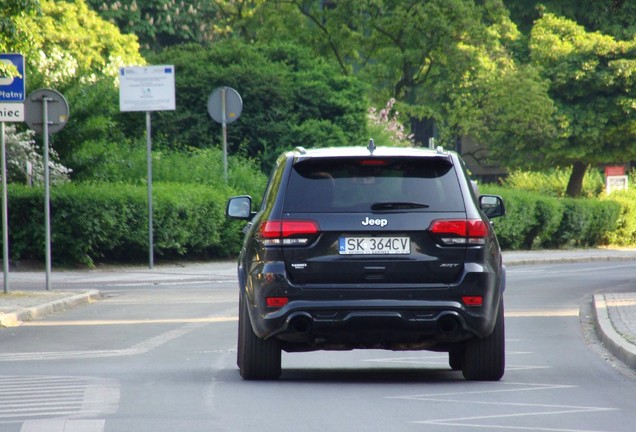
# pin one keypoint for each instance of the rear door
(371, 219)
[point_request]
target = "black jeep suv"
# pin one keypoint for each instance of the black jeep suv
(370, 247)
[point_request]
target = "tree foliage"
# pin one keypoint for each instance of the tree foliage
(290, 98)
(611, 17)
(15, 34)
(79, 54)
(74, 45)
(592, 80)
(444, 62)
(163, 23)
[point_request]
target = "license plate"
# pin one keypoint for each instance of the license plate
(374, 246)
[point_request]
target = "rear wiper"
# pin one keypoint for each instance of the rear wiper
(397, 205)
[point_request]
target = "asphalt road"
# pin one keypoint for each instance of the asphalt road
(162, 358)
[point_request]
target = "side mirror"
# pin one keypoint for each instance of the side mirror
(492, 206)
(239, 207)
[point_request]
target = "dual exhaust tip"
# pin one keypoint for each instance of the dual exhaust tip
(303, 324)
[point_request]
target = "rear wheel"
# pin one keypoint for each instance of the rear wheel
(484, 359)
(257, 358)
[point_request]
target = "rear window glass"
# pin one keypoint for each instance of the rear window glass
(360, 185)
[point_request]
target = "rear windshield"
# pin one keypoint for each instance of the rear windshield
(370, 184)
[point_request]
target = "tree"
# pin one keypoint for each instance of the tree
(444, 62)
(290, 98)
(15, 34)
(615, 17)
(514, 117)
(74, 45)
(592, 82)
(79, 54)
(163, 23)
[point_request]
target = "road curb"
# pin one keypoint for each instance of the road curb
(14, 319)
(606, 331)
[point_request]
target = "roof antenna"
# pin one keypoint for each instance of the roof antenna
(371, 146)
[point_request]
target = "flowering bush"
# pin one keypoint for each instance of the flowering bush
(386, 122)
(26, 163)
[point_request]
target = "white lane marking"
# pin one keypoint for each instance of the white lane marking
(35, 398)
(550, 313)
(204, 320)
(168, 283)
(136, 349)
(529, 409)
(561, 270)
(63, 425)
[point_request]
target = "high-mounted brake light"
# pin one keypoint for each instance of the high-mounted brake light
(287, 232)
(460, 231)
(374, 162)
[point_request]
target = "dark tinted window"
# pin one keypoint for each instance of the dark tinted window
(382, 184)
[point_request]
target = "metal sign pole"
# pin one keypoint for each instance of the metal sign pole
(225, 106)
(37, 117)
(150, 210)
(5, 225)
(224, 124)
(47, 190)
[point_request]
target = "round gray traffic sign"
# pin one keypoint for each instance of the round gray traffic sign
(233, 104)
(57, 110)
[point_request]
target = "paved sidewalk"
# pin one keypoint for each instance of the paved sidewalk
(28, 300)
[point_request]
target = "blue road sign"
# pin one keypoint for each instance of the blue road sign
(12, 89)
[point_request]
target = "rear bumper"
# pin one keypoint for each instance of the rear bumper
(378, 315)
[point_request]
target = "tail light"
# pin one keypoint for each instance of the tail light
(460, 232)
(288, 232)
(276, 302)
(473, 300)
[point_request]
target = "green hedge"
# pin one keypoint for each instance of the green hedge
(625, 232)
(107, 222)
(537, 221)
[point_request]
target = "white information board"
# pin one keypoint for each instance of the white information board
(11, 112)
(616, 183)
(146, 88)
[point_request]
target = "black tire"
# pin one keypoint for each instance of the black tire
(257, 359)
(485, 359)
(456, 360)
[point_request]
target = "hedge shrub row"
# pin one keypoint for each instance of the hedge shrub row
(625, 232)
(109, 222)
(536, 221)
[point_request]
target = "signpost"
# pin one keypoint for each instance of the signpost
(147, 88)
(615, 178)
(225, 106)
(11, 110)
(46, 112)
(12, 88)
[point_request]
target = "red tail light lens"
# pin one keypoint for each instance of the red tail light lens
(460, 231)
(288, 232)
(473, 300)
(276, 302)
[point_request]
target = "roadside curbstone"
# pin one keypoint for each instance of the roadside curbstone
(13, 319)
